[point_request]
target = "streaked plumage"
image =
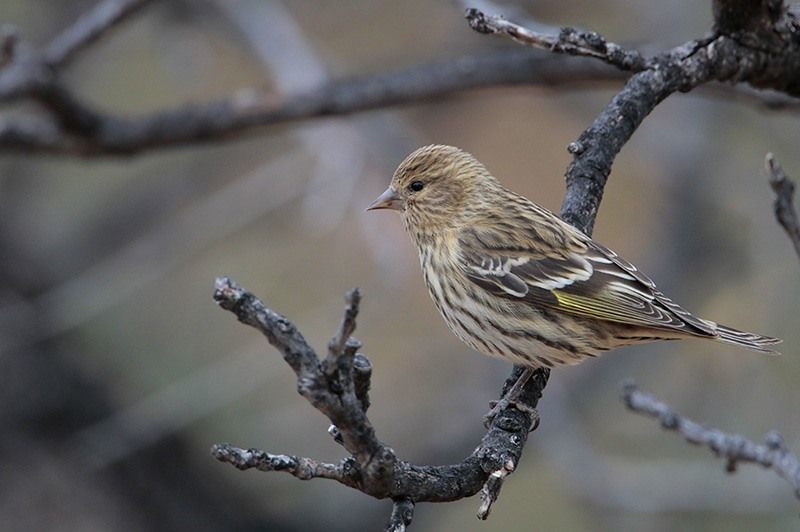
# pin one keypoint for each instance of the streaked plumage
(514, 281)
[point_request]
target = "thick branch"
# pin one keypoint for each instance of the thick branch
(733, 448)
(596, 148)
(785, 212)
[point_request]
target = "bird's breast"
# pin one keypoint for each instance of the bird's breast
(440, 269)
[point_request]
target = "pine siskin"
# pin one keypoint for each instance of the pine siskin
(514, 281)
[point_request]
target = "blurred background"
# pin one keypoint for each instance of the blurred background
(119, 372)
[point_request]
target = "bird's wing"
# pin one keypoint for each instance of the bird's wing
(585, 279)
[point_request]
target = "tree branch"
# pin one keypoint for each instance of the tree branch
(785, 212)
(74, 128)
(491, 489)
(775, 65)
(28, 73)
(733, 448)
(568, 41)
(302, 468)
(717, 58)
(402, 514)
(373, 467)
(342, 348)
(78, 129)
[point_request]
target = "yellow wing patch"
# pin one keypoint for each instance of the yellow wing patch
(618, 310)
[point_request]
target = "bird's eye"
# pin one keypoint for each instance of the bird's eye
(416, 186)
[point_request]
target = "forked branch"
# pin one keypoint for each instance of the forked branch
(337, 388)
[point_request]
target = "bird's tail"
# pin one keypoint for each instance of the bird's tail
(753, 341)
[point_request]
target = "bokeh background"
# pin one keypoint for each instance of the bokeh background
(118, 372)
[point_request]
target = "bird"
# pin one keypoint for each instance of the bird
(514, 281)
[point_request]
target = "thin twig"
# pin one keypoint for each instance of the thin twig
(342, 344)
(402, 514)
(568, 41)
(491, 490)
(297, 466)
(280, 332)
(735, 449)
(784, 208)
(34, 74)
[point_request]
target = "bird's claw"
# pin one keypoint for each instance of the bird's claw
(495, 408)
(498, 406)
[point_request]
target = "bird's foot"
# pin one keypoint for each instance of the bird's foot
(507, 402)
(510, 399)
(495, 408)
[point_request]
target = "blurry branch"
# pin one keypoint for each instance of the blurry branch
(29, 73)
(785, 212)
(336, 386)
(762, 50)
(73, 127)
(733, 448)
(82, 130)
(584, 467)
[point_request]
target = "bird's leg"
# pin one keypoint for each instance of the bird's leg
(510, 397)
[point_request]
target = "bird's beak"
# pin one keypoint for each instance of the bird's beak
(388, 200)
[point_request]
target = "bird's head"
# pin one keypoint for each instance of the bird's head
(436, 186)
